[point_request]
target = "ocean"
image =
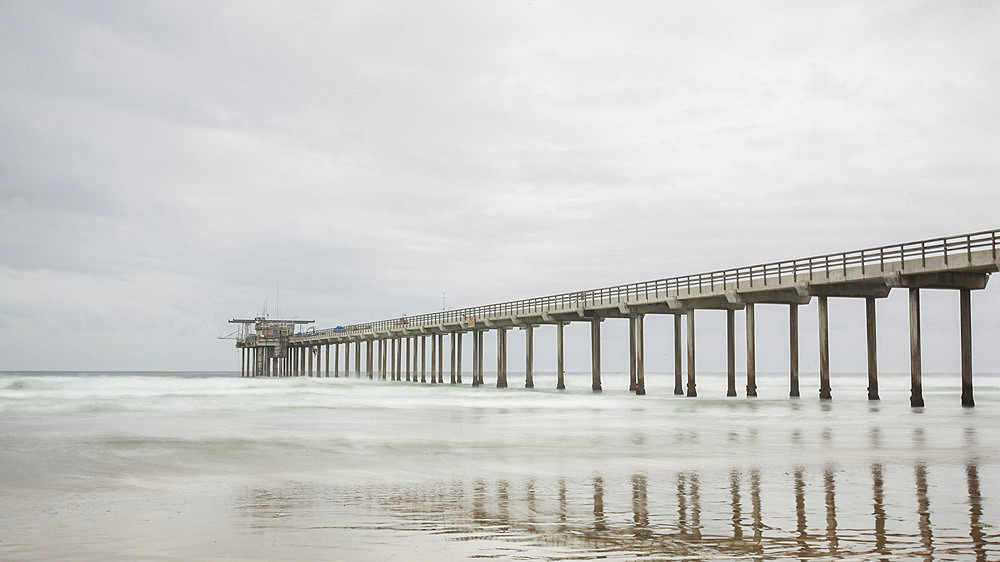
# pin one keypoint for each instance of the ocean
(212, 466)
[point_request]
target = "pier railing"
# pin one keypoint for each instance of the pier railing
(886, 258)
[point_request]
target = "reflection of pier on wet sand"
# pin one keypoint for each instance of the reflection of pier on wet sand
(741, 513)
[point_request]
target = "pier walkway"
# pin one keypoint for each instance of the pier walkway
(397, 348)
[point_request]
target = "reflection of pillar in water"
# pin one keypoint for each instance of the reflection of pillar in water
(640, 513)
(800, 512)
(530, 496)
(479, 501)
(695, 506)
(600, 523)
(831, 509)
(878, 509)
(681, 503)
(734, 492)
(562, 505)
(503, 502)
(975, 510)
(758, 525)
(924, 508)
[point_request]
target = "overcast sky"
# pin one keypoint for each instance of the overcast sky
(165, 166)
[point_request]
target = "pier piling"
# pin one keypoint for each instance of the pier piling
(691, 388)
(824, 350)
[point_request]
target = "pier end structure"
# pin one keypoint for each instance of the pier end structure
(265, 346)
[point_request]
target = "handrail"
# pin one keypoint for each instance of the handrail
(743, 277)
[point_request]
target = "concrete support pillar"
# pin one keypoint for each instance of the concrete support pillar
(482, 335)
(458, 356)
(631, 353)
(434, 356)
(640, 356)
(302, 360)
(452, 351)
(916, 384)
(501, 357)
(370, 363)
(327, 360)
(309, 352)
(691, 387)
(730, 352)
(475, 358)
(529, 356)
(560, 365)
(793, 351)
(357, 358)
(751, 352)
(872, 354)
(595, 354)
(399, 359)
(440, 363)
(965, 320)
(824, 350)
(336, 360)
(408, 357)
(347, 359)
(678, 369)
(423, 358)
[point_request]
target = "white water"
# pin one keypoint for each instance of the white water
(216, 466)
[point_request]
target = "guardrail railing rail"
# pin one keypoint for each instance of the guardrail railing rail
(805, 269)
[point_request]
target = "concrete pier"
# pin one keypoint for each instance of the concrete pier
(965, 321)
(824, 349)
(440, 363)
(691, 387)
(916, 384)
(423, 358)
(529, 356)
(870, 334)
(560, 364)
(640, 356)
(631, 354)
(793, 351)
(409, 342)
(678, 354)
(458, 368)
(501, 358)
(434, 357)
(479, 359)
(451, 363)
(595, 354)
(730, 352)
(475, 358)
(963, 263)
(751, 352)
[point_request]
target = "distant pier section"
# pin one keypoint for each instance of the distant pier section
(397, 347)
